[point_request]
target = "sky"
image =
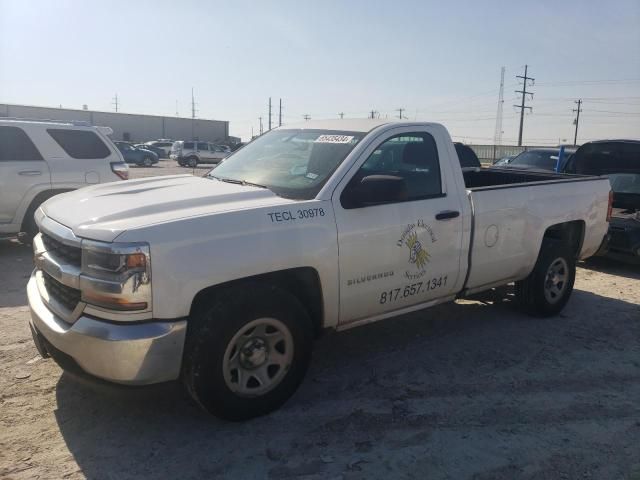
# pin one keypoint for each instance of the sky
(438, 61)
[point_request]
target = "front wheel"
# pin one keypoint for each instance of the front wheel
(247, 351)
(147, 162)
(548, 287)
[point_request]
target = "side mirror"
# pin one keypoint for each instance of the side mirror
(375, 190)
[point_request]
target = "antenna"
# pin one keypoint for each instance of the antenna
(497, 136)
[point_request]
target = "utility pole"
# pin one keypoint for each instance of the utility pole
(115, 102)
(177, 114)
(524, 93)
(497, 136)
(260, 118)
(280, 114)
(306, 116)
(269, 113)
(372, 114)
(341, 115)
(577, 120)
(193, 116)
(400, 110)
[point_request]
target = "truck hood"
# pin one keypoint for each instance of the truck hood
(102, 212)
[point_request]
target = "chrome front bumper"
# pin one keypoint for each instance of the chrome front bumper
(134, 354)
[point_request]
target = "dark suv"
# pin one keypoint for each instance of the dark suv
(620, 160)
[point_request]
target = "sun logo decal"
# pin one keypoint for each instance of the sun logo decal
(417, 254)
(414, 237)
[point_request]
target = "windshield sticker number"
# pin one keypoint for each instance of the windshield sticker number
(334, 139)
(289, 216)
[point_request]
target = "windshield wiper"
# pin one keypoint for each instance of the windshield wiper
(239, 182)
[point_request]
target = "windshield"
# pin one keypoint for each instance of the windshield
(625, 182)
(536, 159)
(291, 163)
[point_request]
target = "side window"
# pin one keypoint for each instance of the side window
(80, 143)
(203, 146)
(15, 145)
(188, 145)
(412, 160)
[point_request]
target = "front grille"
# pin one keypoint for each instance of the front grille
(67, 296)
(72, 255)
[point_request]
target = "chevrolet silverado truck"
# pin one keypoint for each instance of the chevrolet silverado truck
(223, 281)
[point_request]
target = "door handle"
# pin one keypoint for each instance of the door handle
(447, 214)
(30, 173)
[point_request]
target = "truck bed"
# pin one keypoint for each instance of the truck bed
(492, 177)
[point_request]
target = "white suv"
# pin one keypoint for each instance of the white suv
(190, 154)
(40, 159)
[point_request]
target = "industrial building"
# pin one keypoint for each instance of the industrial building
(128, 126)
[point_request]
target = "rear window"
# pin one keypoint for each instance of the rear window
(15, 145)
(80, 143)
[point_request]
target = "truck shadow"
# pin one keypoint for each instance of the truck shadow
(612, 267)
(16, 264)
(382, 391)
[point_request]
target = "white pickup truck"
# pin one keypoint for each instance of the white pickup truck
(223, 281)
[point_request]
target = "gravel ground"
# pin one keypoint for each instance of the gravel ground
(473, 389)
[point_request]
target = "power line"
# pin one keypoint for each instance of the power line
(522, 106)
(577, 120)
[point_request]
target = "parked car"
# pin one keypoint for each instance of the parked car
(137, 156)
(157, 150)
(467, 157)
(321, 225)
(545, 159)
(40, 159)
(191, 154)
(164, 144)
(620, 160)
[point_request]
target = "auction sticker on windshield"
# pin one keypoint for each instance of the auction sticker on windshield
(334, 139)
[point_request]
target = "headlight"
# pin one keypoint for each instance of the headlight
(116, 276)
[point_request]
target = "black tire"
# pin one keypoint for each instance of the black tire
(538, 294)
(29, 226)
(192, 162)
(209, 336)
(147, 162)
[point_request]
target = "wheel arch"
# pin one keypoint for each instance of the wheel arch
(38, 200)
(302, 282)
(571, 233)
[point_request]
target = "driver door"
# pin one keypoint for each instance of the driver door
(402, 251)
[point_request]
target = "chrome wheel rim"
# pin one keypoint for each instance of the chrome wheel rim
(258, 357)
(555, 283)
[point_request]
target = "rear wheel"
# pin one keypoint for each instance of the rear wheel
(192, 162)
(548, 287)
(147, 161)
(247, 351)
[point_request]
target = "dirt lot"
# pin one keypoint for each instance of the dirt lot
(467, 390)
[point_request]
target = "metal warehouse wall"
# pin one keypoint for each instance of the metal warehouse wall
(138, 127)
